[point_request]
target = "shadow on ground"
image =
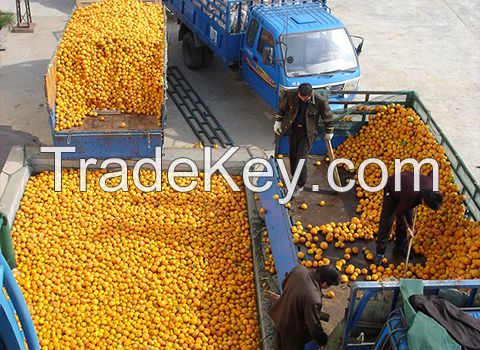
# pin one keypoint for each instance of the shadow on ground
(65, 6)
(10, 137)
(22, 98)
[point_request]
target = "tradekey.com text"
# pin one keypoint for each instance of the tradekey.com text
(253, 169)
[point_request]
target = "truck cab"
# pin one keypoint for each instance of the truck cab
(285, 46)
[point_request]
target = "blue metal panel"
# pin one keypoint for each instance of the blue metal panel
(9, 331)
(294, 16)
(474, 314)
(352, 321)
(132, 144)
(224, 44)
(303, 18)
(395, 332)
(471, 297)
(278, 224)
(12, 332)
(127, 145)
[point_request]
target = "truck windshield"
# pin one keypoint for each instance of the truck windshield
(319, 52)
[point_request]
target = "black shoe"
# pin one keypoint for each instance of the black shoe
(378, 259)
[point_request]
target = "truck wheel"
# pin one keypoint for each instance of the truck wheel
(207, 56)
(192, 55)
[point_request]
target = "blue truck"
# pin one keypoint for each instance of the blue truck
(275, 46)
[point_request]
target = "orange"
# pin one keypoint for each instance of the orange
(124, 270)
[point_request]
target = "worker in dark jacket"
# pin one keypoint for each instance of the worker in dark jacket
(400, 205)
(296, 314)
(299, 111)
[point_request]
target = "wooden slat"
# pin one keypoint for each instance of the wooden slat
(51, 84)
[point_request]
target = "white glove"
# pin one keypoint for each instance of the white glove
(329, 136)
(277, 128)
(410, 232)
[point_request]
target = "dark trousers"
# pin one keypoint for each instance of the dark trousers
(298, 149)
(285, 342)
(386, 222)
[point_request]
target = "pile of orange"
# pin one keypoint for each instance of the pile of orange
(449, 241)
(158, 270)
(111, 57)
(268, 256)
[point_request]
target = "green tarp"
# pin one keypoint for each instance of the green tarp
(409, 287)
(6, 247)
(427, 334)
(424, 332)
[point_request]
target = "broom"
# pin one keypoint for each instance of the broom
(411, 241)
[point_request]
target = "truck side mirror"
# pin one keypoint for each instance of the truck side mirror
(267, 55)
(358, 49)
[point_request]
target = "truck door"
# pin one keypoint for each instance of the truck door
(261, 77)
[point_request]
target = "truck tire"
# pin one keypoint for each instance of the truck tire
(207, 57)
(192, 55)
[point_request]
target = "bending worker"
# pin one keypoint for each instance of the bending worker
(296, 314)
(400, 205)
(299, 111)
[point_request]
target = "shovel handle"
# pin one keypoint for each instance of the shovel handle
(336, 176)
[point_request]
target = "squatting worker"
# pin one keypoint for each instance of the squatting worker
(400, 205)
(296, 314)
(299, 111)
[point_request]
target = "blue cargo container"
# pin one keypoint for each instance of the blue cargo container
(107, 140)
(276, 46)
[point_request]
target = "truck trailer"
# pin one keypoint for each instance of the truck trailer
(267, 218)
(275, 46)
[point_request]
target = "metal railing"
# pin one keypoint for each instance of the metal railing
(13, 304)
(362, 292)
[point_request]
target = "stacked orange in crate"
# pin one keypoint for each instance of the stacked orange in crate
(111, 57)
(158, 270)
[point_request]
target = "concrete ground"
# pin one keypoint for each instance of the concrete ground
(431, 47)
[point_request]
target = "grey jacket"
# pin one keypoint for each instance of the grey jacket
(318, 107)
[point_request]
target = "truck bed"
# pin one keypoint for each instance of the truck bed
(339, 207)
(221, 24)
(106, 139)
(112, 122)
(27, 162)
